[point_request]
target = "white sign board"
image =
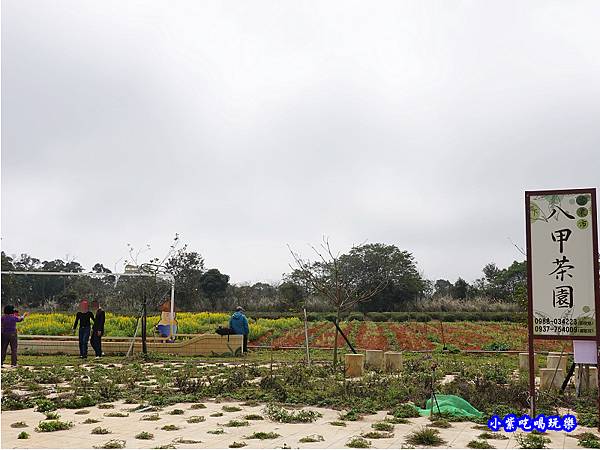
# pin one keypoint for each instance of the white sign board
(561, 240)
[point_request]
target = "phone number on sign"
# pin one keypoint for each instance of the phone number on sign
(563, 329)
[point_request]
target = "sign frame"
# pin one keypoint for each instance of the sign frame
(596, 269)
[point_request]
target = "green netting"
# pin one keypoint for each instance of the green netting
(450, 404)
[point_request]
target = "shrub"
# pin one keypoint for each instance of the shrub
(154, 416)
(170, 428)
(440, 423)
(177, 412)
(377, 435)
(45, 405)
(217, 431)
(263, 435)
(144, 435)
(52, 415)
(227, 408)
(532, 440)
(352, 415)
(20, 424)
(237, 445)
(254, 417)
(53, 425)
(82, 412)
(216, 414)
(279, 414)
(425, 436)
(89, 420)
(588, 440)
(116, 414)
(496, 436)
(496, 346)
(358, 442)
(237, 423)
(338, 423)
(311, 438)
(23, 435)
(405, 411)
(196, 419)
(100, 430)
(105, 406)
(113, 443)
(479, 444)
(198, 406)
(383, 426)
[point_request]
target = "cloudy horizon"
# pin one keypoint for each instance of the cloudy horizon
(248, 126)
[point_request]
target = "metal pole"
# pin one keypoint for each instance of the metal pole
(144, 316)
(172, 325)
(306, 338)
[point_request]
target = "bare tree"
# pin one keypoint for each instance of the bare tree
(331, 279)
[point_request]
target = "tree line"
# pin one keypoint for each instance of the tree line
(369, 278)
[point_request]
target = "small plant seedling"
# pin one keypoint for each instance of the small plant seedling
(154, 416)
(116, 414)
(488, 435)
(100, 430)
(425, 436)
(338, 423)
(144, 435)
(170, 427)
(263, 435)
(52, 415)
(358, 442)
(171, 445)
(20, 424)
(395, 420)
(113, 443)
(106, 406)
(216, 414)
(177, 412)
(237, 423)
(532, 440)
(312, 438)
(237, 444)
(196, 419)
(279, 414)
(90, 420)
(53, 425)
(217, 431)
(254, 417)
(227, 408)
(82, 412)
(479, 444)
(198, 406)
(351, 415)
(23, 435)
(377, 435)
(186, 441)
(383, 426)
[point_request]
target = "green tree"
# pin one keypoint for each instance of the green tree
(460, 290)
(291, 295)
(214, 285)
(187, 268)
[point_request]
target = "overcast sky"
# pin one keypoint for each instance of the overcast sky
(248, 125)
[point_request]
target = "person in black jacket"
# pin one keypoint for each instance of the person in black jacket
(84, 319)
(97, 329)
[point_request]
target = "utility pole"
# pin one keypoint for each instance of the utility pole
(144, 346)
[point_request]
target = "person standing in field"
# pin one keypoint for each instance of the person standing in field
(97, 329)
(10, 319)
(239, 325)
(84, 318)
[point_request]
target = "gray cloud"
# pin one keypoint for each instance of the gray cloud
(245, 126)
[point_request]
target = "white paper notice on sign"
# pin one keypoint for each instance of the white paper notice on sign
(562, 267)
(585, 352)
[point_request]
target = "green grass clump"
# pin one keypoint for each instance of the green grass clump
(352, 415)
(177, 412)
(263, 435)
(198, 406)
(588, 440)
(279, 414)
(383, 426)
(90, 420)
(23, 435)
(377, 435)
(237, 444)
(395, 420)
(116, 414)
(45, 405)
(186, 441)
(100, 430)
(237, 423)
(217, 431)
(20, 424)
(532, 440)
(440, 423)
(170, 428)
(405, 411)
(479, 444)
(488, 435)
(312, 438)
(231, 408)
(113, 443)
(358, 442)
(196, 419)
(216, 414)
(144, 435)
(338, 423)
(254, 417)
(53, 425)
(425, 436)
(52, 415)
(154, 416)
